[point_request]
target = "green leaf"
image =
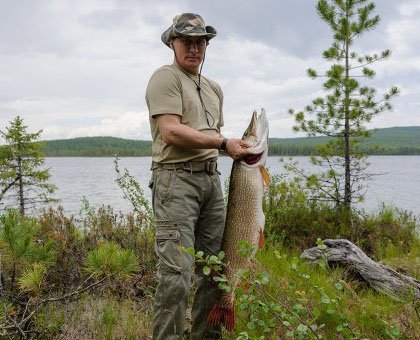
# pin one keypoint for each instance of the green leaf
(294, 319)
(339, 286)
(325, 299)
(320, 244)
(243, 336)
(219, 278)
(290, 334)
(297, 308)
(189, 250)
(275, 307)
(302, 328)
(395, 331)
(199, 254)
(221, 255)
(265, 279)
(206, 270)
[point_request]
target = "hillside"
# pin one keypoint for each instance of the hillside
(391, 141)
(388, 141)
(97, 147)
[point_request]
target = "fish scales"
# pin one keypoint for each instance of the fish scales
(245, 218)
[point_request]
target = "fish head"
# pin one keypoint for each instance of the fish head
(256, 135)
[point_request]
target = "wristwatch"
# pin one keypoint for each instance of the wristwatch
(223, 145)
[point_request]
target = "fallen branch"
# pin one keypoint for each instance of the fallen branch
(60, 298)
(379, 277)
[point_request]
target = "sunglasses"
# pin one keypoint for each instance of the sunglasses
(198, 43)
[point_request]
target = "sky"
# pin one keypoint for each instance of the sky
(80, 67)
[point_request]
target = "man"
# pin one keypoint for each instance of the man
(185, 119)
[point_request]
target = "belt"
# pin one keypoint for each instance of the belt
(209, 166)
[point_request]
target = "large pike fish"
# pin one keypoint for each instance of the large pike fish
(245, 218)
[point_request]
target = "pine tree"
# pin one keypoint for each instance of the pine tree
(348, 105)
(21, 158)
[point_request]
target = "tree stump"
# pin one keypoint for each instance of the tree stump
(375, 275)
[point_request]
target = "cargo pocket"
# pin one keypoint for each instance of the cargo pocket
(167, 243)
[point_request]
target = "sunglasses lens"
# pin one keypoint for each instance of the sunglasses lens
(199, 43)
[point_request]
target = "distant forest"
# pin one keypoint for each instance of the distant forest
(389, 141)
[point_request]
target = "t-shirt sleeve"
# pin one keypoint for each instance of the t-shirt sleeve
(163, 93)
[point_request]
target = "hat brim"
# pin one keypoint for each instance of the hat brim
(170, 34)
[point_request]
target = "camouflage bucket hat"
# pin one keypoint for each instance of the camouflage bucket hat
(188, 24)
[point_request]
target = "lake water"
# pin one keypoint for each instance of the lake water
(94, 179)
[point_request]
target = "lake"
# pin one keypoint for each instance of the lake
(94, 179)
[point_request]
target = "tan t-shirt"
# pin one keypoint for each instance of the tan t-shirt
(171, 91)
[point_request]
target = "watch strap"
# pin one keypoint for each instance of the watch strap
(223, 145)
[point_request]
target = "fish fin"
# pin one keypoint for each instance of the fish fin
(229, 320)
(215, 316)
(265, 175)
(261, 241)
(218, 315)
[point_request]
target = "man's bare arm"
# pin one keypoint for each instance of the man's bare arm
(175, 133)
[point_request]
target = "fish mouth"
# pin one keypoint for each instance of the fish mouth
(256, 135)
(252, 159)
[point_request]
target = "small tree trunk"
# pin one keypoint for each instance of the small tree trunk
(347, 171)
(359, 266)
(21, 197)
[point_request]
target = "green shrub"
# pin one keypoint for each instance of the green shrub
(22, 244)
(77, 236)
(110, 260)
(297, 222)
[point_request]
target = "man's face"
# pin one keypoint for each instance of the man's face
(189, 52)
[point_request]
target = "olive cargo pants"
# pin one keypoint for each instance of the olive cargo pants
(189, 211)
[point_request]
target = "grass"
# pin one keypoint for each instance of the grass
(293, 281)
(323, 292)
(97, 317)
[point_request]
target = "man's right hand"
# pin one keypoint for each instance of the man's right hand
(237, 148)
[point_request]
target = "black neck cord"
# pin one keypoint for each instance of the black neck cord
(198, 87)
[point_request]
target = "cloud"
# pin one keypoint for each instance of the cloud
(75, 66)
(131, 125)
(410, 8)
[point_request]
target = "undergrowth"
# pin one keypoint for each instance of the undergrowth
(93, 275)
(296, 222)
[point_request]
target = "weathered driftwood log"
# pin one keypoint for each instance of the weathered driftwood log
(381, 278)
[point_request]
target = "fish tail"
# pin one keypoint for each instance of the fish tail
(223, 315)
(229, 319)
